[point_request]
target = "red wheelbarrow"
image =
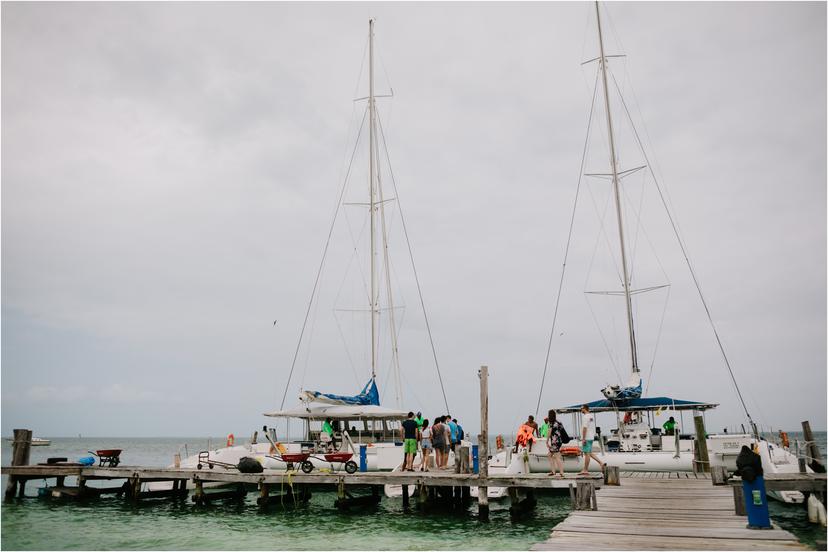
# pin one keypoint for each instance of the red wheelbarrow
(108, 457)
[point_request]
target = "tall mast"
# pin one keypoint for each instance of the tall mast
(372, 203)
(617, 194)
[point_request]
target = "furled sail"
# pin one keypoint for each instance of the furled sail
(368, 395)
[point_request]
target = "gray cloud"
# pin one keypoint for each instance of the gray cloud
(169, 172)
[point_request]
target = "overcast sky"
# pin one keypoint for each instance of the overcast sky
(169, 173)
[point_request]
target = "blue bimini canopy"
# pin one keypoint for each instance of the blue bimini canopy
(368, 396)
(650, 403)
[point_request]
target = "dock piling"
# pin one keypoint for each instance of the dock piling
(701, 462)
(483, 444)
(20, 457)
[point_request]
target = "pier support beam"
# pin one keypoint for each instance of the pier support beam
(612, 476)
(405, 497)
(20, 457)
(814, 456)
(483, 446)
(522, 502)
(585, 496)
(198, 497)
(701, 462)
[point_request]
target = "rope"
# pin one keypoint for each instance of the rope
(568, 242)
(687, 261)
(413, 265)
(322, 262)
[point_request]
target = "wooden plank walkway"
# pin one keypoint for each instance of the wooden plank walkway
(664, 512)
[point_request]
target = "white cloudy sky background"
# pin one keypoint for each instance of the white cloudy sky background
(169, 172)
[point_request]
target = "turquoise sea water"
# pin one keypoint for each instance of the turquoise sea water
(111, 523)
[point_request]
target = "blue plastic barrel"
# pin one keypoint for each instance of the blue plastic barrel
(363, 458)
(475, 459)
(756, 504)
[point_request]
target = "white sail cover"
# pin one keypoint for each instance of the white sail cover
(342, 412)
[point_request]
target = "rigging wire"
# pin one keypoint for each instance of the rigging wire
(413, 265)
(568, 243)
(658, 340)
(690, 268)
(322, 262)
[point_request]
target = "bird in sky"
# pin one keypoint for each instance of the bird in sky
(274, 322)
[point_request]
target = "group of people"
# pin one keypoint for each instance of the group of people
(441, 437)
(556, 436)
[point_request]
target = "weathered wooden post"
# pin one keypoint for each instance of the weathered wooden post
(483, 443)
(718, 474)
(739, 501)
(405, 497)
(422, 495)
(264, 494)
(198, 497)
(20, 457)
(812, 449)
(612, 476)
(802, 465)
(702, 459)
(583, 495)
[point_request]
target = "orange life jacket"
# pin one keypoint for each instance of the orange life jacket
(525, 435)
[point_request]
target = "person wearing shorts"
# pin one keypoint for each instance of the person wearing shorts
(587, 436)
(410, 433)
(425, 443)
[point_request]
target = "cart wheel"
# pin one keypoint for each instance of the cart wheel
(211, 466)
(307, 466)
(199, 466)
(351, 466)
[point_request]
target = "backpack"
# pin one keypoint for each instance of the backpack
(565, 438)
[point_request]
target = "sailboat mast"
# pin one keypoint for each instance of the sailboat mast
(372, 205)
(617, 194)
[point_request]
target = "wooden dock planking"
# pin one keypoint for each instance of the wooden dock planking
(664, 513)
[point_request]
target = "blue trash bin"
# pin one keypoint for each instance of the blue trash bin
(363, 458)
(756, 504)
(475, 459)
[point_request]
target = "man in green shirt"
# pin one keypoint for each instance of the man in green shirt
(670, 426)
(419, 419)
(326, 436)
(544, 429)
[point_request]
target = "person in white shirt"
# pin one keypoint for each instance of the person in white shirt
(587, 436)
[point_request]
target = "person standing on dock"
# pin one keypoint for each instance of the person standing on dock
(460, 433)
(438, 440)
(670, 426)
(587, 437)
(425, 443)
(452, 430)
(554, 439)
(410, 433)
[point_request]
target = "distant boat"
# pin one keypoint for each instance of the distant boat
(36, 442)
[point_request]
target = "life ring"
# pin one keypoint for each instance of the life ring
(570, 450)
(231, 439)
(499, 442)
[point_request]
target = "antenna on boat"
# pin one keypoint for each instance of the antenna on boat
(377, 203)
(617, 196)
(371, 161)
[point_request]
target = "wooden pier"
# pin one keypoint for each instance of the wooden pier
(664, 511)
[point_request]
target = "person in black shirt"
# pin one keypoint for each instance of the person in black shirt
(410, 431)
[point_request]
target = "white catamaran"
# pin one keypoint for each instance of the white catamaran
(361, 426)
(634, 445)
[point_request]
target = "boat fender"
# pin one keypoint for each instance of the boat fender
(821, 512)
(86, 461)
(231, 439)
(813, 509)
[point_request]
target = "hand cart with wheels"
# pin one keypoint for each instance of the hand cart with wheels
(204, 458)
(294, 458)
(107, 457)
(341, 458)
